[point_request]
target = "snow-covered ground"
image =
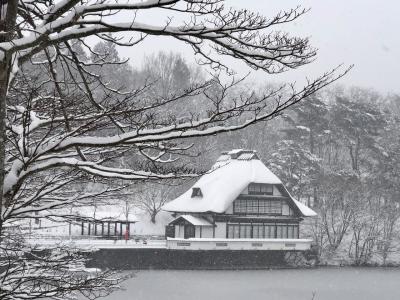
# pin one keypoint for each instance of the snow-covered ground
(145, 227)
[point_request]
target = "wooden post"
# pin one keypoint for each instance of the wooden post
(263, 231)
(120, 229)
(115, 228)
(83, 228)
(108, 229)
(213, 226)
(88, 228)
(102, 228)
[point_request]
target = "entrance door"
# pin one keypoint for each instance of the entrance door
(170, 231)
(189, 231)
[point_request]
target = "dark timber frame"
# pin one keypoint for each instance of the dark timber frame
(264, 225)
(86, 228)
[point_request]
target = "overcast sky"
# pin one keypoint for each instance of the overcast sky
(360, 32)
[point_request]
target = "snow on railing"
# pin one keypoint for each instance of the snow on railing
(88, 242)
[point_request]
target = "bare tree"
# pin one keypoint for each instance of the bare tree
(151, 198)
(62, 124)
(387, 239)
(55, 272)
(169, 70)
(365, 227)
(338, 206)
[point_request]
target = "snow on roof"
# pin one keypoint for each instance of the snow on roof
(196, 221)
(222, 184)
(107, 213)
(229, 176)
(305, 210)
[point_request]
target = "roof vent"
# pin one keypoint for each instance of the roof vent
(241, 154)
(196, 192)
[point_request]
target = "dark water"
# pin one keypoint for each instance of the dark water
(322, 284)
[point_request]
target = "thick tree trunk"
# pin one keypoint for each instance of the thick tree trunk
(7, 29)
(153, 217)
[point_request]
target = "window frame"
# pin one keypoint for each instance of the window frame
(271, 207)
(196, 192)
(269, 230)
(265, 189)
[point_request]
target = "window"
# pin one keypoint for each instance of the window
(279, 231)
(263, 231)
(284, 231)
(248, 234)
(267, 189)
(296, 231)
(252, 206)
(275, 207)
(269, 231)
(258, 231)
(189, 231)
(239, 206)
(293, 231)
(256, 207)
(233, 231)
(263, 207)
(236, 232)
(290, 232)
(230, 232)
(196, 192)
(245, 231)
(260, 189)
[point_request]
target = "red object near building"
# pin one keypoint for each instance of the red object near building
(126, 234)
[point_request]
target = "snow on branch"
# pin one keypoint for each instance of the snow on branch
(209, 26)
(57, 272)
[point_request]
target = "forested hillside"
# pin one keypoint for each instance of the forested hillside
(337, 151)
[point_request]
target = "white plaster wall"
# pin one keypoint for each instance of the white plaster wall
(179, 231)
(229, 210)
(276, 191)
(245, 191)
(239, 244)
(207, 232)
(220, 230)
(197, 231)
(285, 209)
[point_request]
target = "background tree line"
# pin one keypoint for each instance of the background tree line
(337, 151)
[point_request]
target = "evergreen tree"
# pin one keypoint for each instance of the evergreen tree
(298, 156)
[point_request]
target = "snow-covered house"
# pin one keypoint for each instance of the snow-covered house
(238, 204)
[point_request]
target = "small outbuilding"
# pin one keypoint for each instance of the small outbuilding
(106, 224)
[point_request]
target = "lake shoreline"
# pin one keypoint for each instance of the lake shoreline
(164, 259)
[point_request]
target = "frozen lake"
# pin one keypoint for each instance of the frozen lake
(324, 283)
